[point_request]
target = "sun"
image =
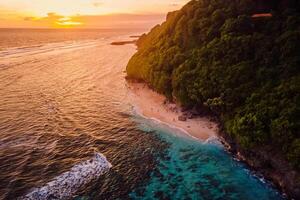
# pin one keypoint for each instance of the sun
(67, 22)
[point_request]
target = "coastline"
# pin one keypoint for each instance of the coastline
(144, 98)
(270, 165)
(152, 105)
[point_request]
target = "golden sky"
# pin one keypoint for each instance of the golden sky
(84, 13)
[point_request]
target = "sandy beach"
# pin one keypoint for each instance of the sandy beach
(152, 105)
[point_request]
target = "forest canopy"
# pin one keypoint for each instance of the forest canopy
(217, 55)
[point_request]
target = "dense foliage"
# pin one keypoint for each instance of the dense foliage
(214, 54)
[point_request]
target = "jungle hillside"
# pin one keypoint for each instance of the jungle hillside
(237, 59)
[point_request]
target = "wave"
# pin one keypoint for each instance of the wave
(67, 184)
(48, 47)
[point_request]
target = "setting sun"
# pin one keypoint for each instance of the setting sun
(67, 22)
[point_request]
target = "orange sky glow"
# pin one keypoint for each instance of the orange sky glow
(84, 13)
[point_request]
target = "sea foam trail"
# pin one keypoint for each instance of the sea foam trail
(67, 184)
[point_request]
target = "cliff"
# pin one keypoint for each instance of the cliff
(215, 57)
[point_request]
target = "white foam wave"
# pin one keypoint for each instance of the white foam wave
(213, 140)
(67, 184)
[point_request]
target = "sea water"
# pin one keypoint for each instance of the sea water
(63, 97)
(191, 169)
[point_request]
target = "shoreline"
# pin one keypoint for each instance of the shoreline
(179, 130)
(252, 161)
(154, 106)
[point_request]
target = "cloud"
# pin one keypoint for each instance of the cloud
(53, 15)
(29, 18)
(98, 4)
(174, 4)
(50, 16)
(119, 20)
(54, 20)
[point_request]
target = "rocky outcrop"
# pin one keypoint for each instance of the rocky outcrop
(270, 164)
(182, 118)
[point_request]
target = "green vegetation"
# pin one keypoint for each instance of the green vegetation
(245, 70)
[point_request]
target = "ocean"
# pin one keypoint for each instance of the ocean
(63, 97)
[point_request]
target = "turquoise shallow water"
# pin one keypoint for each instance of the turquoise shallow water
(192, 169)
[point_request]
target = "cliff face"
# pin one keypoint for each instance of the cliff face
(215, 56)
